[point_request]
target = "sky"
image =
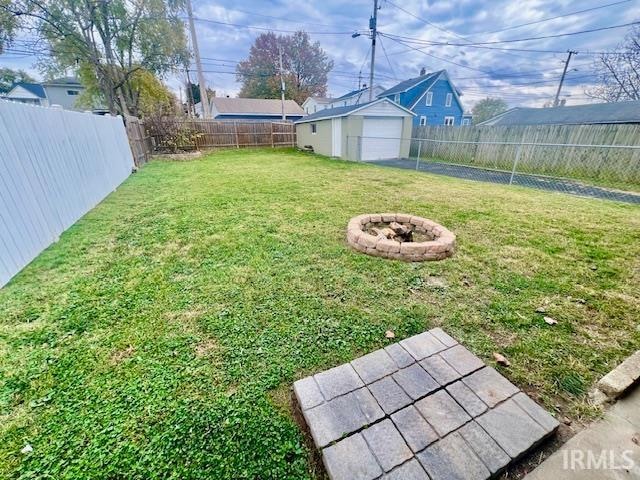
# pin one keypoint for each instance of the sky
(521, 78)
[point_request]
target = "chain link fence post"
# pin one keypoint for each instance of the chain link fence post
(515, 162)
(418, 157)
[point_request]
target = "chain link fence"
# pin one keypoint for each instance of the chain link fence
(600, 171)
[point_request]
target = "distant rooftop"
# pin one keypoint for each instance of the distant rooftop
(255, 106)
(596, 113)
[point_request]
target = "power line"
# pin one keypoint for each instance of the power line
(268, 29)
(437, 27)
(515, 40)
(384, 50)
(552, 18)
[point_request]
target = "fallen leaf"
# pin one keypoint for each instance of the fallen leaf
(541, 310)
(501, 359)
(389, 334)
(26, 449)
(550, 321)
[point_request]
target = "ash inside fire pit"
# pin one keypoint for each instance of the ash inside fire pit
(401, 237)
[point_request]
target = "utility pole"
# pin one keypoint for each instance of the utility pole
(281, 83)
(190, 102)
(203, 87)
(556, 102)
(373, 26)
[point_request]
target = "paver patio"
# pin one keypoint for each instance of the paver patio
(424, 408)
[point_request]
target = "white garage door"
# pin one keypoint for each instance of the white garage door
(381, 138)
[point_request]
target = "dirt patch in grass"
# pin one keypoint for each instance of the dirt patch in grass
(119, 356)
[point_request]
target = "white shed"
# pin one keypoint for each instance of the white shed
(375, 130)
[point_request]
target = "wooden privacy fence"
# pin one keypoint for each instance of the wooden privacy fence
(590, 152)
(176, 134)
(55, 166)
(139, 141)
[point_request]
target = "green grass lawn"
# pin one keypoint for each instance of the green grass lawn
(160, 336)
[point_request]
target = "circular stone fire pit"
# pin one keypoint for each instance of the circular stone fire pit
(400, 237)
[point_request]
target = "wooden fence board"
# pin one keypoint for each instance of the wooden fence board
(197, 134)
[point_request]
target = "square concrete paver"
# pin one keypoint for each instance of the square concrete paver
(415, 381)
(425, 409)
(443, 412)
(452, 459)
(389, 395)
(414, 428)
(338, 381)
(351, 459)
(387, 444)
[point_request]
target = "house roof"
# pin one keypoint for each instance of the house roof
(344, 111)
(412, 82)
(255, 106)
(619, 112)
(67, 81)
(34, 88)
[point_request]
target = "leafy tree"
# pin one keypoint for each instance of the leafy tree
(149, 94)
(8, 77)
(107, 40)
(305, 67)
(8, 24)
(619, 74)
(488, 108)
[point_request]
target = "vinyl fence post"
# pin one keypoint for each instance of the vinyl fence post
(515, 162)
(418, 157)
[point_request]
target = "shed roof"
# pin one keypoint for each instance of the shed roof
(255, 106)
(596, 113)
(344, 111)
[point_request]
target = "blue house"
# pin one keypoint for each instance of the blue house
(432, 97)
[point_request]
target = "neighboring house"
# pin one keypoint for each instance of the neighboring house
(254, 109)
(61, 91)
(432, 97)
(592, 114)
(369, 131)
(355, 97)
(315, 104)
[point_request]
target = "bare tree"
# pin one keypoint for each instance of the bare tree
(619, 72)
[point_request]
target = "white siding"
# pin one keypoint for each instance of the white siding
(55, 166)
(383, 109)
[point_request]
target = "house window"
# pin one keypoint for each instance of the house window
(449, 120)
(396, 98)
(313, 129)
(465, 121)
(73, 93)
(423, 120)
(429, 101)
(449, 98)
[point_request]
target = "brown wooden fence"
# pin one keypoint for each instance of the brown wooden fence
(176, 134)
(140, 142)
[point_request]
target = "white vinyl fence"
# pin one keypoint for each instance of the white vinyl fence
(55, 166)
